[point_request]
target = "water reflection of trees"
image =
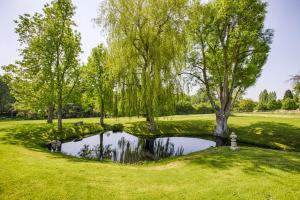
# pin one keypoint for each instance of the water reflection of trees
(129, 152)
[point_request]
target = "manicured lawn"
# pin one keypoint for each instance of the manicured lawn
(28, 171)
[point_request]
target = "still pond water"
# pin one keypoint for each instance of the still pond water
(125, 148)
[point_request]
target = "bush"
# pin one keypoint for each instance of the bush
(203, 108)
(274, 105)
(246, 105)
(117, 127)
(261, 107)
(289, 104)
(184, 107)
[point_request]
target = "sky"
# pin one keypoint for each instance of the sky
(283, 16)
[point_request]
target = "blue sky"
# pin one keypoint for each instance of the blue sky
(283, 16)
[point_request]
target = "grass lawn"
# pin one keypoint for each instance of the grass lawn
(28, 171)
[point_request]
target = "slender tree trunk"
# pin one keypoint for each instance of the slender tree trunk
(101, 152)
(59, 111)
(152, 124)
(50, 113)
(102, 113)
(221, 131)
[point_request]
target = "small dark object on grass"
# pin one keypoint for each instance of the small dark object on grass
(54, 145)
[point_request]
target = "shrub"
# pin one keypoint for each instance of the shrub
(203, 108)
(246, 105)
(117, 127)
(289, 104)
(261, 107)
(274, 105)
(184, 107)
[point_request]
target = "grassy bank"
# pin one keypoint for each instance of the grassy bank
(29, 171)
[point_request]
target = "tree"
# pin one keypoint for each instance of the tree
(145, 38)
(289, 104)
(200, 97)
(6, 99)
(99, 79)
(296, 82)
(32, 84)
(246, 105)
(273, 105)
(288, 94)
(49, 69)
(263, 97)
(272, 97)
(228, 47)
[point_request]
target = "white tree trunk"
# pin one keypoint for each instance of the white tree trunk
(221, 131)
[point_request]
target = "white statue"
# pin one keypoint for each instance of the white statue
(233, 145)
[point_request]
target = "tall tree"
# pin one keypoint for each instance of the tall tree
(296, 82)
(272, 96)
(228, 47)
(263, 97)
(6, 98)
(65, 43)
(288, 94)
(147, 37)
(49, 69)
(32, 83)
(99, 79)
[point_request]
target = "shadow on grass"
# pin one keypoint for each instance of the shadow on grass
(195, 128)
(281, 136)
(250, 160)
(268, 134)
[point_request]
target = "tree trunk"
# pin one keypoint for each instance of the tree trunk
(151, 123)
(221, 131)
(59, 111)
(50, 114)
(102, 113)
(101, 152)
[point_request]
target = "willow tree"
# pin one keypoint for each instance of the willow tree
(99, 80)
(228, 46)
(148, 37)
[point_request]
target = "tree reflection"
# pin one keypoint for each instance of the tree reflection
(127, 151)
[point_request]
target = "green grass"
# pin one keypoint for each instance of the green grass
(28, 171)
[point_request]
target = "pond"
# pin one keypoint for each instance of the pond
(126, 148)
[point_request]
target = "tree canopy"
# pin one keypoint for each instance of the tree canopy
(228, 46)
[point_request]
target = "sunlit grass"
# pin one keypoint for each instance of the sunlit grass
(28, 171)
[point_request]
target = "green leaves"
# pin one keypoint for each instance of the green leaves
(228, 46)
(146, 42)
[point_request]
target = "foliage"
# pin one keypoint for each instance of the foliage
(203, 108)
(274, 105)
(288, 94)
(261, 107)
(117, 127)
(6, 98)
(184, 107)
(145, 40)
(199, 97)
(296, 82)
(289, 104)
(48, 73)
(98, 79)
(263, 97)
(272, 96)
(246, 105)
(227, 49)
